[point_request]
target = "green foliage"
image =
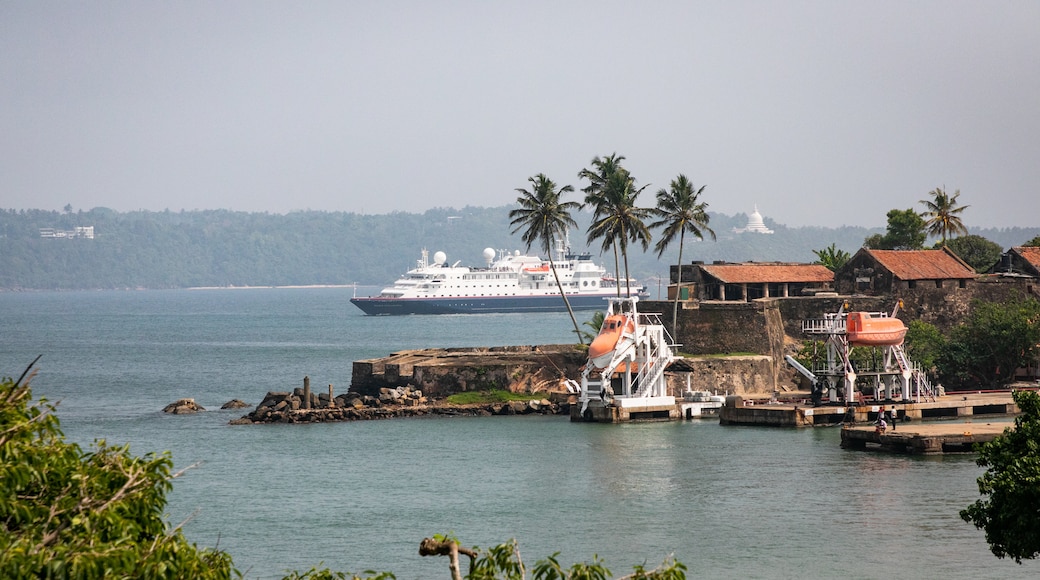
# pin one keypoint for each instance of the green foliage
(906, 231)
(874, 242)
(923, 343)
(491, 396)
(503, 562)
(499, 562)
(1033, 243)
(831, 257)
(544, 218)
(943, 214)
(617, 219)
(1009, 512)
(679, 210)
(326, 574)
(550, 569)
(594, 324)
(996, 339)
(448, 537)
(977, 251)
(67, 513)
(811, 354)
(219, 247)
(866, 358)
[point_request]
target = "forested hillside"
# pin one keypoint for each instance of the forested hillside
(226, 248)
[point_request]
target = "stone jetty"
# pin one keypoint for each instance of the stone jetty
(303, 406)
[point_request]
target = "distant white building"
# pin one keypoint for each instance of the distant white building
(755, 224)
(78, 232)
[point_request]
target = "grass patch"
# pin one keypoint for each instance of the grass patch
(492, 396)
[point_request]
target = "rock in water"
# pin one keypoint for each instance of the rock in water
(235, 404)
(183, 407)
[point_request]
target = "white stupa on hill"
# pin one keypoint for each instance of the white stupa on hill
(755, 224)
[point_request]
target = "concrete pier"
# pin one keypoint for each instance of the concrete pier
(623, 414)
(930, 438)
(786, 414)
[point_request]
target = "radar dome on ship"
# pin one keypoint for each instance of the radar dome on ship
(489, 254)
(439, 258)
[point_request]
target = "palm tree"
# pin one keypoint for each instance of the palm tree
(616, 218)
(680, 211)
(594, 324)
(942, 214)
(599, 177)
(621, 220)
(832, 258)
(544, 217)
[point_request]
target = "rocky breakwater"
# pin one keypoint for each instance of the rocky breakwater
(301, 406)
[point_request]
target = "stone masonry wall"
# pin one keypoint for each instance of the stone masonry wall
(733, 375)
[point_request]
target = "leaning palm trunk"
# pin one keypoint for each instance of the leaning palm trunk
(566, 302)
(628, 287)
(624, 254)
(617, 271)
(678, 287)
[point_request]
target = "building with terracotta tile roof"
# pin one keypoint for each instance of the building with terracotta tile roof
(1020, 261)
(877, 272)
(750, 280)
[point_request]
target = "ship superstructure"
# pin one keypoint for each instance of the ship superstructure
(509, 282)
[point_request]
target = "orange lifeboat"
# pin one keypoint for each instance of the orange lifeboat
(542, 268)
(866, 330)
(611, 332)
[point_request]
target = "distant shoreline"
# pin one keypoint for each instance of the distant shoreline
(144, 288)
(276, 287)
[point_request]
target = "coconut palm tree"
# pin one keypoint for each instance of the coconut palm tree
(616, 218)
(942, 214)
(544, 217)
(621, 221)
(679, 211)
(594, 324)
(831, 257)
(599, 176)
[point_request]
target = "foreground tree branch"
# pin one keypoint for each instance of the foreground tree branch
(451, 548)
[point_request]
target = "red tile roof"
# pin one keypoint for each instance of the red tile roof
(1029, 254)
(768, 273)
(923, 264)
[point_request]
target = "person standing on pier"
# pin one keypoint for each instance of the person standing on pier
(892, 417)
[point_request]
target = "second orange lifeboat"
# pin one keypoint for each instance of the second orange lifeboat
(866, 330)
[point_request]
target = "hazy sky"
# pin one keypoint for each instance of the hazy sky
(822, 113)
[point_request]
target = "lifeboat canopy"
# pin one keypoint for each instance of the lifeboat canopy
(864, 329)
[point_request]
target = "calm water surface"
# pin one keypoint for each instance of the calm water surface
(728, 502)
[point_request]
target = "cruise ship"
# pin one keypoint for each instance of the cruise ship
(510, 282)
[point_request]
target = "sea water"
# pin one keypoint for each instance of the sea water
(729, 502)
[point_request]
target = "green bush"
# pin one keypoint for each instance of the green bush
(997, 339)
(68, 513)
(1011, 485)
